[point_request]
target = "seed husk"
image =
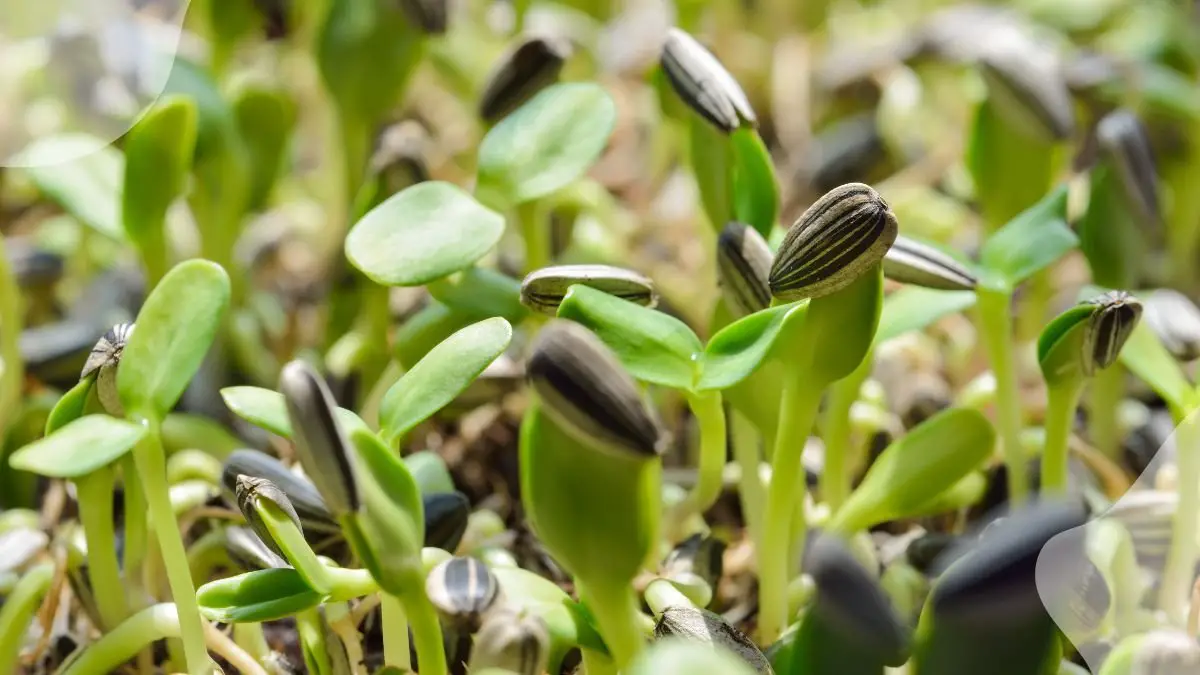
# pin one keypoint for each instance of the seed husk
(305, 499)
(585, 388)
(841, 236)
(1125, 145)
(1176, 320)
(744, 269)
(1027, 84)
(428, 15)
(462, 590)
(709, 629)
(34, 267)
(704, 84)
(912, 262)
(543, 290)
(446, 515)
(511, 639)
(699, 555)
(248, 489)
(103, 361)
(399, 158)
(525, 70)
(321, 444)
(1108, 328)
(249, 552)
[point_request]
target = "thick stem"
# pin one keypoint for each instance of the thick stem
(1060, 417)
(710, 414)
(747, 453)
(785, 495)
(836, 478)
(135, 530)
(395, 633)
(427, 633)
(11, 367)
(1104, 419)
(250, 637)
(120, 644)
(996, 324)
(151, 467)
(618, 616)
(312, 641)
(595, 663)
(536, 234)
(291, 541)
(1181, 560)
(17, 611)
(661, 594)
(94, 492)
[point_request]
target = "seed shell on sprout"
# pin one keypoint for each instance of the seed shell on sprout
(912, 262)
(320, 443)
(700, 555)
(305, 499)
(583, 386)
(709, 629)
(543, 290)
(531, 66)
(247, 490)
(511, 639)
(841, 236)
(1108, 328)
(103, 361)
(463, 590)
(1124, 142)
(446, 516)
(704, 84)
(744, 268)
(249, 552)
(1026, 82)
(1175, 319)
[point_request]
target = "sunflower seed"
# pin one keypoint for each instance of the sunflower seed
(704, 84)
(34, 267)
(399, 158)
(248, 490)
(531, 66)
(1027, 85)
(699, 555)
(446, 515)
(103, 361)
(428, 15)
(510, 639)
(912, 262)
(1176, 320)
(743, 269)
(321, 444)
(838, 238)
(1108, 328)
(249, 552)
(1126, 146)
(585, 388)
(309, 506)
(543, 290)
(709, 629)
(462, 590)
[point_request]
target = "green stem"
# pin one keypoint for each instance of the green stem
(17, 611)
(151, 467)
(356, 140)
(711, 416)
(370, 408)
(1060, 417)
(11, 322)
(395, 633)
(536, 234)
(291, 541)
(427, 633)
(785, 496)
(1104, 403)
(250, 637)
(996, 325)
(747, 454)
(106, 655)
(94, 492)
(595, 663)
(1181, 560)
(661, 594)
(836, 478)
(312, 640)
(135, 529)
(618, 617)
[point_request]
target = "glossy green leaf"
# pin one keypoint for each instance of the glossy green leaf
(930, 459)
(253, 597)
(175, 328)
(653, 346)
(840, 329)
(1060, 344)
(158, 159)
(481, 293)
(1011, 169)
(70, 406)
(441, 376)
(265, 119)
(546, 144)
(79, 448)
(565, 620)
(965, 493)
(913, 308)
(740, 348)
(425, 330)
(755, 188)
(421, 234)
(1028, 243)
(1109, 235)
(367, 52)
(712, 160)
(266, 409)
(1146, 357)
(88, 187)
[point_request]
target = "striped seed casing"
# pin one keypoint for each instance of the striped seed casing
(522, 72)
(1026, 82)
(463, 590)
(321, 444)
(912, 262)
(744, 268)
(704, 84)
(1117, 314)
(511, 639)
(248, 490)
(1125, 145)
(543, 290)
(103, 361)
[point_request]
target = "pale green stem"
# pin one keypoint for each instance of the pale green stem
(370, 408)
(595, 663)
(395, 633)
(1181, 560)
(661, 594)
(17, 611)
(747, 454)
(106, 655)
(135, 530)
(996, 324)
(312, 639)
(710, 414)
(619, 619)
(836, 476)
(151, 467)
(10, 334)
(1060, 417)
(250, 637)
(1104, 414)
(535, 232)
(291, 541)
(785, 495)
(427, 632)
(95, 492)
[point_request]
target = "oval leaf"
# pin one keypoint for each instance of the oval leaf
(81, 447)
(547, 143)
(265, 119)
(430, 472)
(1032, 241)
(158, 157)
(653, 346)
(266, 409)
(421, 234)
(912, 308)
(261, 595)
(175, 328)
(69, 407)
(87, 187)
(740, 348)
(443, 374)
(481, 293)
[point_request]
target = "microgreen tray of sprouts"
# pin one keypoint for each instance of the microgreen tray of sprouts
(652, 337)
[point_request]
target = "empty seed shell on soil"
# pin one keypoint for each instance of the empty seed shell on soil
(912, 262)
(543, 290)
(704, 84)
(462, 590)
(744, 268)
(525, 70)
